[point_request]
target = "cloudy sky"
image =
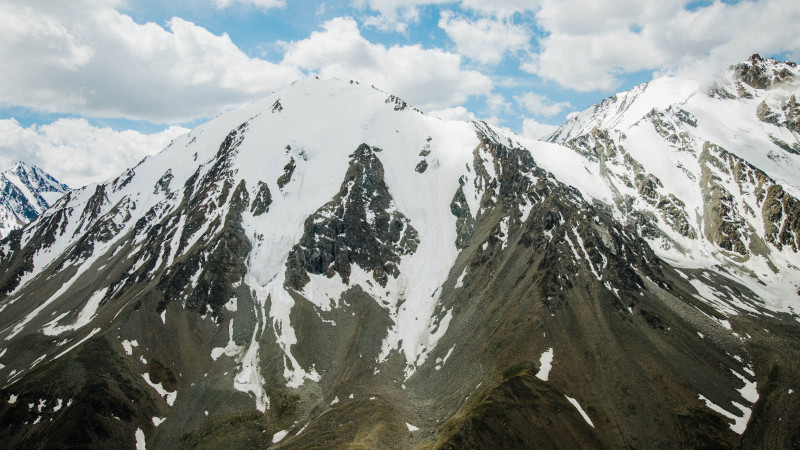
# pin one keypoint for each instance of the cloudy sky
(89, 87)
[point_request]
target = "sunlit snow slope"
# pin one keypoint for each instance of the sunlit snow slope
(709, 173)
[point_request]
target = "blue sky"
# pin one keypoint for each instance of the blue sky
(95, 85)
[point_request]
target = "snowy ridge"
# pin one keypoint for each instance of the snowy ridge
(25, 192)
(708, 174)
(95, 220)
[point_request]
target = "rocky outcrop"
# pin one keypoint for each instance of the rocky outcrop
(288, 170)
(398, 103)
(759, 73)
(360, 226)
(465, 223)
(724, 225)
(262, 201)
(785, 113)
(781, 214)
(162, 185)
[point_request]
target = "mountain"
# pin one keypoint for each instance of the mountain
(707, 173)
(330, 267)
(25, 192)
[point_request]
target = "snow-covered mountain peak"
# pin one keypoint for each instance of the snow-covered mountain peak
(717, 169)
(754, 79)
(25, 192)
(761, 73)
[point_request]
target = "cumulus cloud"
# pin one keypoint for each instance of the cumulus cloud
(484, 40)
(591, 46)
(535, 130)
(426, 78)
(393, 15)
(500, 8)
(263, 4)
(85, 57)
(455, 113)
(540, 105)
(77, 153)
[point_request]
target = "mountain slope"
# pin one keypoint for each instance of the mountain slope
(708, 173)
(25, 192)
(329, 267)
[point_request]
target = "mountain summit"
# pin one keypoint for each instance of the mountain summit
(707, 173)
(329, 267)
(25, 192)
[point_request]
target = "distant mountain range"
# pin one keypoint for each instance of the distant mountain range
(25, 192)
(331, 268)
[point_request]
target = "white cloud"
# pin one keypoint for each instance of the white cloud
(500, 8)
(534, 130)
(484, 40)
(455, 113)
(497, 104)
(591, 46)
(263, 4)
(540, 105)
(579, 17)
(426, 78)
(393, 15)
(77, 153)
(85, 57)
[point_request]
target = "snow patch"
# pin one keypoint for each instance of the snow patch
(140, 443)
(749, 393)
(231, 305)
(231, 349)
(93, 332)
(128, 346)
(546, 363)
(460, 280)
(277, 437)
(84, 317)
(168, 396)
(580, 410)
(441, 361)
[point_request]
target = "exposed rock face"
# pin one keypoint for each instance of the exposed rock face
(465, 223)
(163, 182)
(724, 225)
(262, 201)
(398, 103)
(360, 225)
(760, 73)
(288, 170)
